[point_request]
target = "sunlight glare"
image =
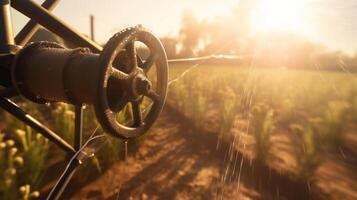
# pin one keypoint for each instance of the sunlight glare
(280, 15)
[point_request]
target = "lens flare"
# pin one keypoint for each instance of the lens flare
(280, 15)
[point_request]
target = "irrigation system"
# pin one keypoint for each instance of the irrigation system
(108, 77)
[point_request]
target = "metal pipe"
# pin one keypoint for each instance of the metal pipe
(13, 109)
(32, 26)
(65, 81)
(54, 24)
(6, 36)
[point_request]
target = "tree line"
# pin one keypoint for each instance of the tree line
(232, 35)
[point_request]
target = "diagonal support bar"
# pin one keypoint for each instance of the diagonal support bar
(32, 26)
(16, 111)
(54, 24)
(6, 36)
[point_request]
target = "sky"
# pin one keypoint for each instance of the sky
(331, 22)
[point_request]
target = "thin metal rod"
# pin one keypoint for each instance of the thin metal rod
(6, 36)
(92, 27)
(78, 127)
(210, 57)
(32, 26)
(126, 150)
(13, 109)
(61, 184)
(54, 24)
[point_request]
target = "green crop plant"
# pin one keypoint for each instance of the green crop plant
(64, 121)
(352, 99)
(12, 165)
(307, 155)
(334, 122)
(180, 93)
(27, 194)
(289, 96)
(11, 123)
(199, 106)
(230, 109)
(287, 110)
(262, 126)
(34, 150)
(8, 170)
(125, 116)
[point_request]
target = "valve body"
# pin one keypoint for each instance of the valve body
(113, 81)
(46, 72)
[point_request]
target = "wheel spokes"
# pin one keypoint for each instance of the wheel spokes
(140, 61)
(149, 62)
(135, 105)
(118, 75)
(153, 96)
(132, 54)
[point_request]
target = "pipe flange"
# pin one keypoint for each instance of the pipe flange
(73, 55)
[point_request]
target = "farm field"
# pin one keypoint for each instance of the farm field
(176, 162)
(300, 123)
(226, 132)
(238, 133)
(243, 99)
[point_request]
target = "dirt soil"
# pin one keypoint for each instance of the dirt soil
(176, 161)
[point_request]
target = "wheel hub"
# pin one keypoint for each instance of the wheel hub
(140, 85)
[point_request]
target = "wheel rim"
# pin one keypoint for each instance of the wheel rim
(135, 82)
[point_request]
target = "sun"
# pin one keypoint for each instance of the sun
(280, 15)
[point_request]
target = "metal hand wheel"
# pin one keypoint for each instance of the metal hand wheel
(124, 82)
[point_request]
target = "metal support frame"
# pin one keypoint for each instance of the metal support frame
(16, 111)
(54, 24)
(32, 26)
(78, 110)
(40, 15)
(6, 36)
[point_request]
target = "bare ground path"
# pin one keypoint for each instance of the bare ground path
(176, 161)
